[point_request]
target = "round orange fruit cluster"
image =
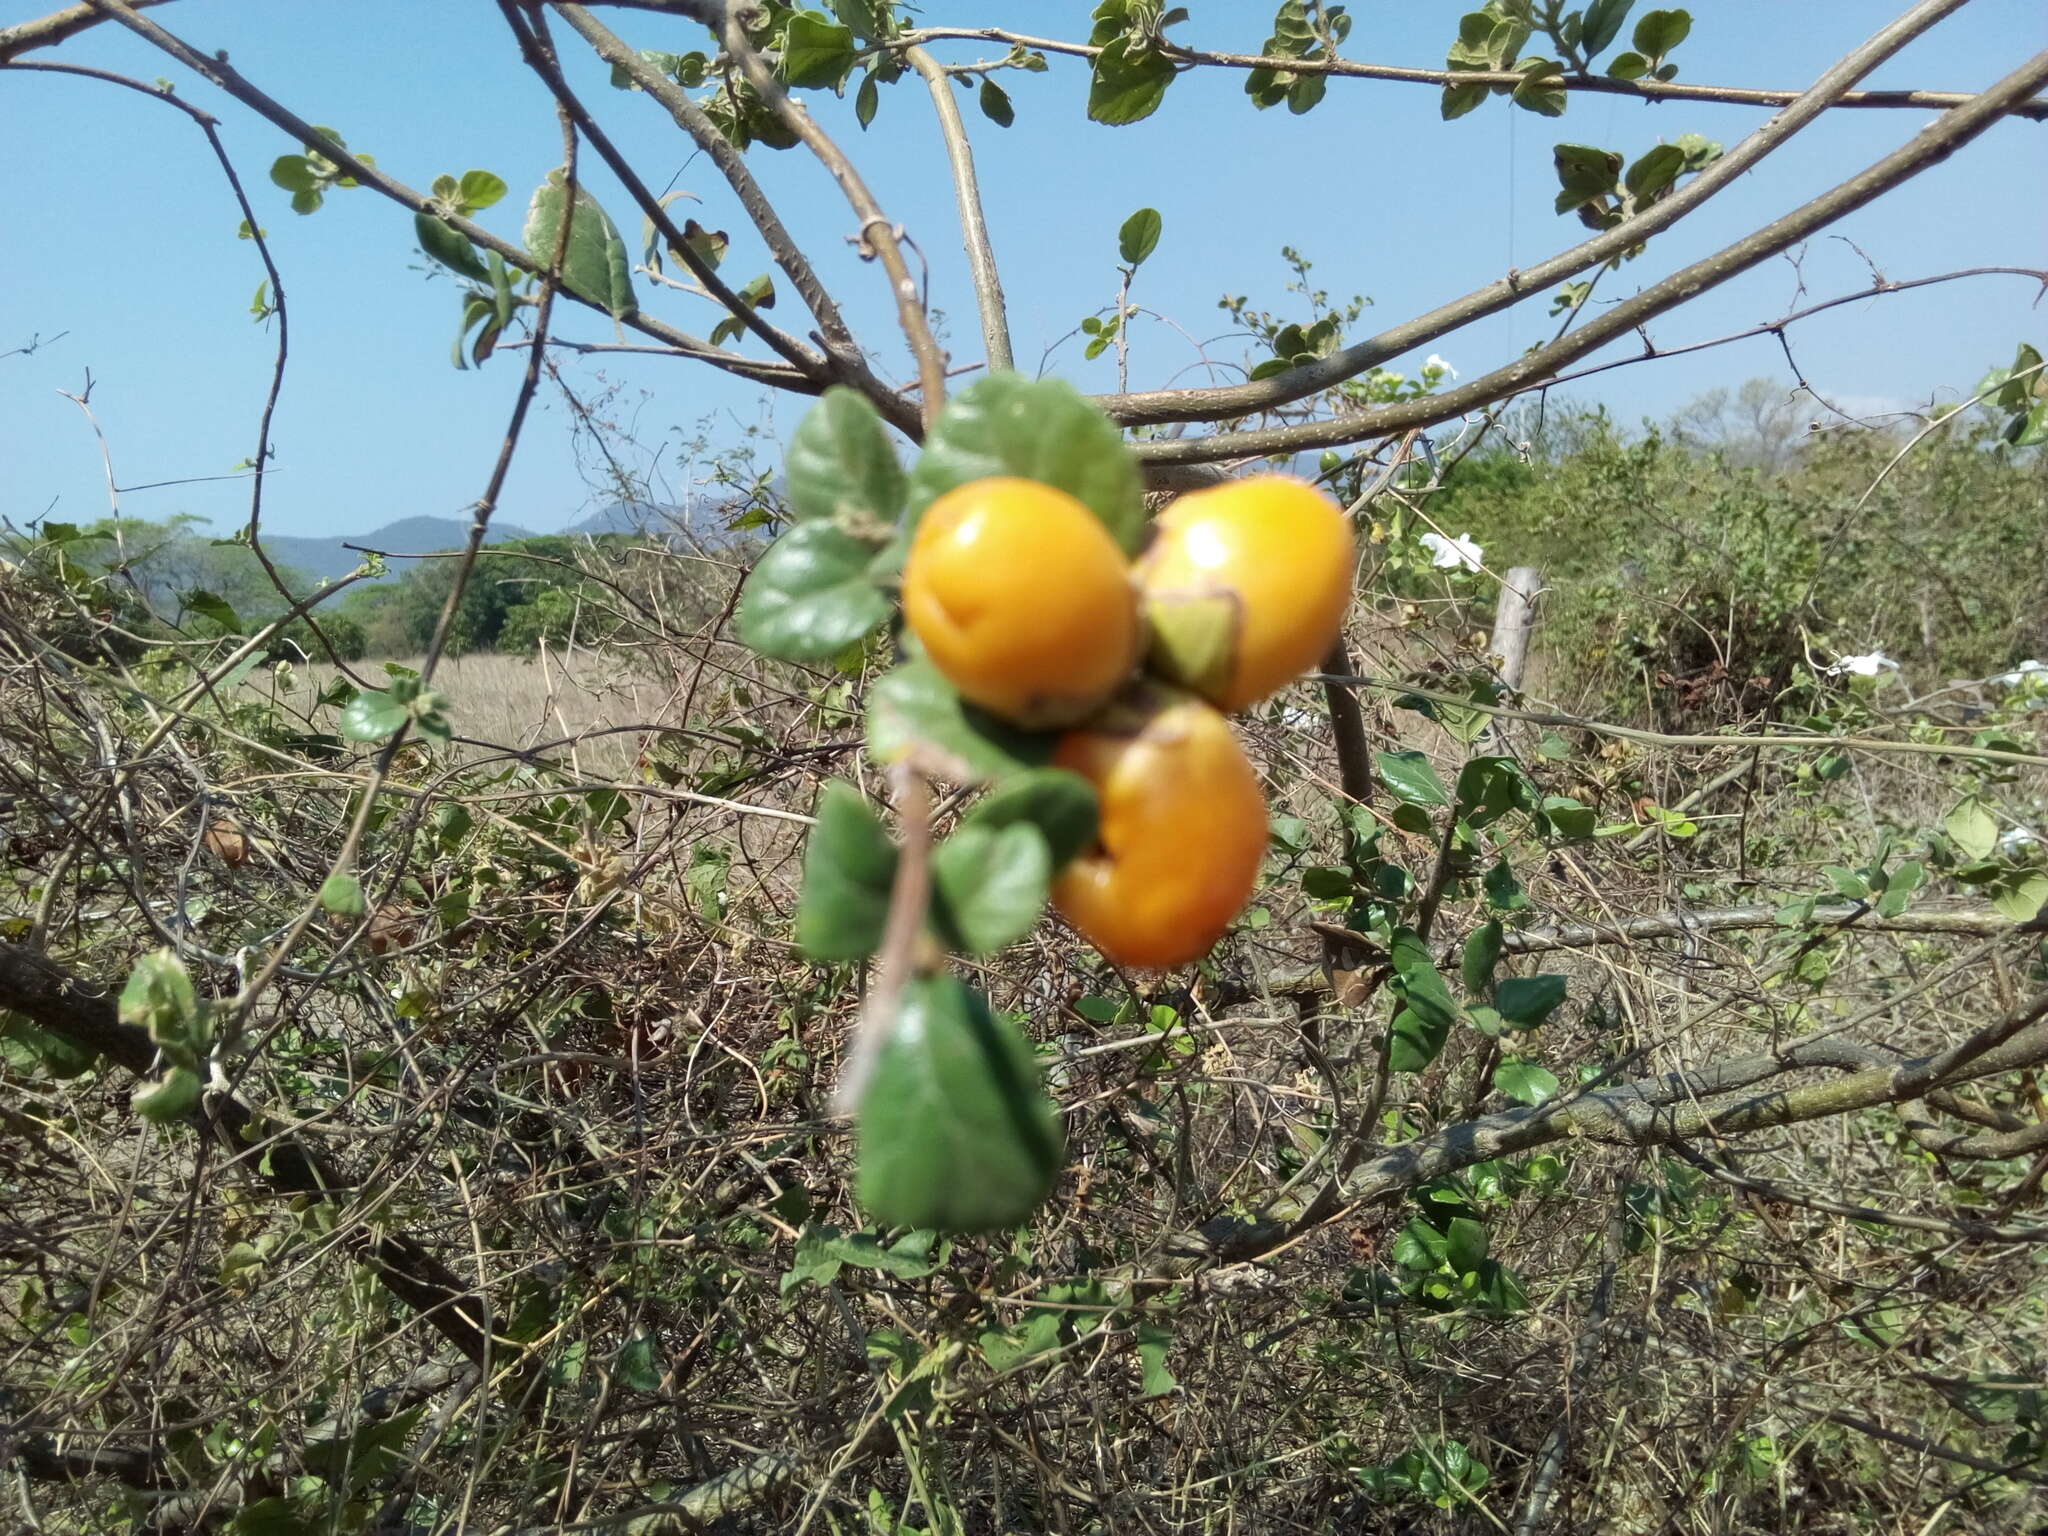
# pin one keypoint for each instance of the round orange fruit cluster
(1023, 600)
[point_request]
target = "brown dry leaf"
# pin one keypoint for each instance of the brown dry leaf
(226, 843)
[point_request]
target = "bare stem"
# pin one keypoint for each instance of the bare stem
(877, 233)
(981, 261)
(909, 898)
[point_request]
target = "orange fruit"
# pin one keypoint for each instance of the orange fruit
(1182, 830)
(1244, 587)
(1022, 600)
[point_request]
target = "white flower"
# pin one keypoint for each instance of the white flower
(1863, 666)
(2013, 839)
(1433, 361)
(1452, 554)
(2029, 671)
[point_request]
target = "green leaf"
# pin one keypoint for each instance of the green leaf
(841, 467)
(809, 596)
(294, 173)
(1126, 84)
(995, 104)
(26, 1047)
(955, 1133)
(1139, 236)
(171, 1097)
(639, 1367)
(216, 608)
(849, 864)
(594, 267)
(1627, 66)
(816, 51)
(1490, 787)
(1061, 805)
(449, 247)
(1410, 776)
(1585, 172)
(1542, 88)
(1482, 954)
(914, 706)
(989, 884)
(372, 715)
(1152, 1343)
(867, 99)
(1524, 1081)
(1602, 24)
(1039, 430)
(1460, 99)
(1526, 1001)
(1464, 1244)
(1971, 827)
(343, 896)
(2020, 896)
(822, 1251)
(1654, 172)
(1567, 819)
(478, 190)
(1899, 887)
(1661, 31)
(1424, 1020)
(159, 998)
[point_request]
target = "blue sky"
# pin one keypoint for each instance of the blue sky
(121, 236)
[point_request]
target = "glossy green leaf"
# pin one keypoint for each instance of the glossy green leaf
(1526, 1001)
(1410, 776)
(809, 596)
(1139, 236)
(595, 266)
(1039, 429)
(449, 247)
(372, 715)
(849, 864)
(1490, 787)
(816, 51)
(1063, 807)
(1128, 82)
(1427, 1012)
(989, 884)
(841, 467)
(914, 707)
(1464, 1244)
(1524, 1081)
(1482, 954)
(955, 1133)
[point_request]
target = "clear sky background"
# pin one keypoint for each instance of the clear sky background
(120, 235)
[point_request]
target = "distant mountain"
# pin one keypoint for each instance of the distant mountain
(331, 557)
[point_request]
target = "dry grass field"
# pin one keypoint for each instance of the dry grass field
(582, 707)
